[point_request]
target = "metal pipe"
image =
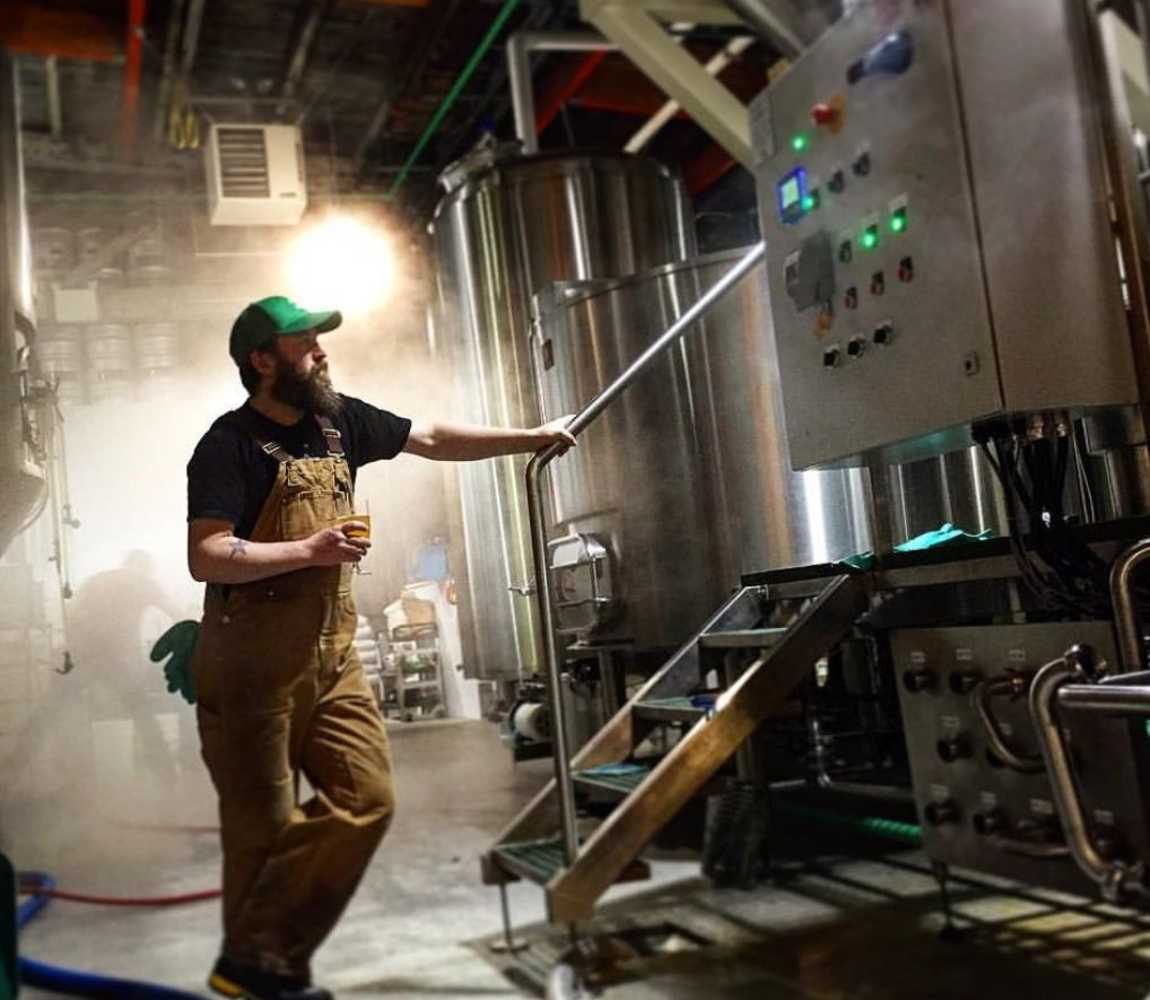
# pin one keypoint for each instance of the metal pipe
(980, 698)
(519, 49)
(55, 110)
(1106, 699)
(171, 48)
(1142, 17)
(449, 99)
(535, 513)
(191, 36)
(714, 66)
(1111, 877)
(884, 793)
(1012, 845)
(1125, 613)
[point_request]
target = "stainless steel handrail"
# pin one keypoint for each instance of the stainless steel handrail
(535, 508)
(1125, 613)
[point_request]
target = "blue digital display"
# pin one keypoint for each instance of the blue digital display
(790, 192)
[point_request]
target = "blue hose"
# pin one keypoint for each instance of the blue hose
(69, 981)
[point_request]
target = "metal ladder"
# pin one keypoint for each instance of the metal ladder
(573, 874)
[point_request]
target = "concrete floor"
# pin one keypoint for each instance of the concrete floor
(831, 927)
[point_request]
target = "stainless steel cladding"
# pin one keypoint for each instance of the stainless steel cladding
(507, 227)
(770, 515)
(22, 486)
(686, 481)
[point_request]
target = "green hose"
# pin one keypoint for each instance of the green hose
(456, 88)
(892, 829)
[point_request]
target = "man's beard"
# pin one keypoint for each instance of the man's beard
(312, 393)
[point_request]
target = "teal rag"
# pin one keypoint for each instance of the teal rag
(945, 535)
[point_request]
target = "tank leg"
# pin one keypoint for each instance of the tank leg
(950, 932)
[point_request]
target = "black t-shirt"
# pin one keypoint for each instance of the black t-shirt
(230, 476)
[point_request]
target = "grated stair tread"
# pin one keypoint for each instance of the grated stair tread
(623, 778)
(679, 709)
(535, 860)
(747, 638)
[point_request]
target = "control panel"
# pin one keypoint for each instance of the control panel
(902, 313)
(993, 809)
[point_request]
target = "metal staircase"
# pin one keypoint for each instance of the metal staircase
(532, 848)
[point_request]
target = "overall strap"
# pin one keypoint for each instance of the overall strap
(331, 436)
(269, 447)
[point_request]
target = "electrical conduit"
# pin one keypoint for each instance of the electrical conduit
(456, 88)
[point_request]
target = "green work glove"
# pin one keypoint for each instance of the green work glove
(179, 642)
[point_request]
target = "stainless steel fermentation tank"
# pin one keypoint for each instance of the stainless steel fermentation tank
(686, 482)
(508, 226)
(22, 479)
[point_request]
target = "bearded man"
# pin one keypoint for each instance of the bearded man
(280, 690)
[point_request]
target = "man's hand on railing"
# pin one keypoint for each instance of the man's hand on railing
(555, 432)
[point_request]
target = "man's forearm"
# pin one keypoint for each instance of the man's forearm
(467, 442)
(227, 559)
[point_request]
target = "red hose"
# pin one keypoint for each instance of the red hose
(75, 897)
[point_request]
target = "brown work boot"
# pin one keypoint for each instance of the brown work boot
(233, 979)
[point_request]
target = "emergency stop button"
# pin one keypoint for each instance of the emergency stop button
(828, 114)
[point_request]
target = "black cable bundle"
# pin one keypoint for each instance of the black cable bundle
(1067, 577)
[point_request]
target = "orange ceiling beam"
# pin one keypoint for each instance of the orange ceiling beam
(28, 29)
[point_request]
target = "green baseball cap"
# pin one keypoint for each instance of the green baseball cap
(275, 316)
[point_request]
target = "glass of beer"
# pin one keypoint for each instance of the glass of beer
(357, 532)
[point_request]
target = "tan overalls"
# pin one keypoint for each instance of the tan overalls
(281, 691)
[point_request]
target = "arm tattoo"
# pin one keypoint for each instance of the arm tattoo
(239, 547)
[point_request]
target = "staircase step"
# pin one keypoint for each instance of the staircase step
(535, 860)
(669, 710)
(620, 778)
(539, 861)
(746, 638)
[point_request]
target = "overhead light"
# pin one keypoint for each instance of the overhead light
(340, 263)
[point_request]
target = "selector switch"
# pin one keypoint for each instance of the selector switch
(861, 165)
(964, 681)
(883, 334)
(851, 298)
(954, 748)
(832, 357)
(941, 813)
(837, 182)
(856, 346)
(877, 283)
(906, 269)
(919, 680)
(846, 251)
(989, 822)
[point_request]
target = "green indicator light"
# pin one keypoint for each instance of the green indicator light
(898, 220)
(870, 238)
(799, 143)
(810, 203)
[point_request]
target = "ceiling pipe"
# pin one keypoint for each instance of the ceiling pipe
(134, 47)
(519, 49)
(714, 66)
(171, 53)
(191, 36)
(55, 108)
